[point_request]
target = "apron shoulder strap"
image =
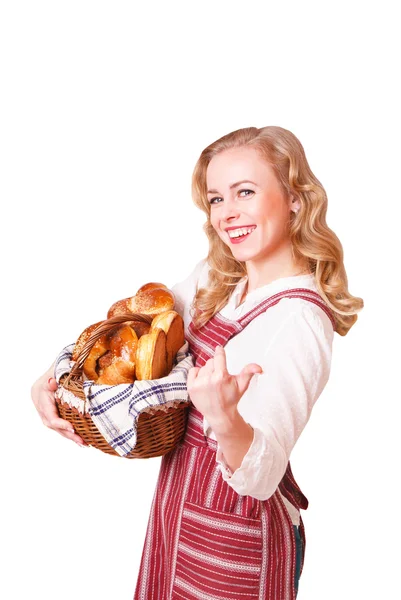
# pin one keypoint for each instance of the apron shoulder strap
(218, 330)
(303, 293)
(203, 341)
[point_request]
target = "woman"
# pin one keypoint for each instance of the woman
(260, 314)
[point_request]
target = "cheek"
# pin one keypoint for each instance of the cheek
(215, 224)
(268, 209)
(266, 214)
(214, 221)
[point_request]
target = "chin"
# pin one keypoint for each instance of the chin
(243, 255)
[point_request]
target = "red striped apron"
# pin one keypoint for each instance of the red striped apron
(204, 541)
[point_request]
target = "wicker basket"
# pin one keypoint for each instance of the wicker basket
(159, 429)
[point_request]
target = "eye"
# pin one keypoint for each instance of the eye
(213, 200)
(240, 192)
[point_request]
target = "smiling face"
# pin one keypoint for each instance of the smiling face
(248, 208)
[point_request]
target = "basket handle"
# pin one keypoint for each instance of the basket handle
(105, 327)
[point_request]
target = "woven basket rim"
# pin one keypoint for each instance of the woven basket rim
(152, 418)
(106, 326)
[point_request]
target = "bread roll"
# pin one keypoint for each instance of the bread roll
(104, 361)
(139, 327)
(135, 349)
(151, 286)
(83, 338)
(149, 300)
(121, 344)
(151, 358)
(99, 348)
(120, 371)
(173, 326)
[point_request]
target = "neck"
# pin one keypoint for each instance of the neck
(280, 264)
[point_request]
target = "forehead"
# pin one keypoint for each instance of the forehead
(236, 164)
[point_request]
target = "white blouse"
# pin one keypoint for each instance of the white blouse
(292, 342)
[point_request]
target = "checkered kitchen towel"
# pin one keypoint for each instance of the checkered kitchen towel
(115, 409)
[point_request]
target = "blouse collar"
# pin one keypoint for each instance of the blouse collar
(265, 291)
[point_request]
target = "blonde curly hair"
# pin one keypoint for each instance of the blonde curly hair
(311, 238)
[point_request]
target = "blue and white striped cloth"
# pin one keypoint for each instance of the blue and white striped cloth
(115, 409)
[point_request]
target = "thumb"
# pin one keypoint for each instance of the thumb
(191, 376)
(244, 378)
(52, 384)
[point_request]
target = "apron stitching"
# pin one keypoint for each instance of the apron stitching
(211, 488)
(180, 512)
(291, 535)
(265, 553)
(278, 556)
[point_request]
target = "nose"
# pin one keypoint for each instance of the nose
(229, 211)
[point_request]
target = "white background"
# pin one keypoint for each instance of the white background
(105, 108)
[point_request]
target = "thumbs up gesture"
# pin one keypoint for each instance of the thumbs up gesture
(216, 393)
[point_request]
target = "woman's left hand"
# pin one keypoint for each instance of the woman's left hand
(216, 393)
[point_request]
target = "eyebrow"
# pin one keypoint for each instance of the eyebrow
(233, 185)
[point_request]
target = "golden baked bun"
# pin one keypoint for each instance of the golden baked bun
(135, 349)
(151, 286)
(104, 361)
(99, 348)
(139, 327)
(151, 356)
(120, 346)
(83, 338)
(173, 326)
(151, 299)
(120, 371)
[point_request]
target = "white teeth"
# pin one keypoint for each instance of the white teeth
(234, 233)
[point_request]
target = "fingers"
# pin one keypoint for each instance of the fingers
(74, 437)
(57, 422)
(245, 377)
(63, 427)
(215, 365)
(191, 376)
(52, 384)
(220, 363)
(206, 369)
(45, 403)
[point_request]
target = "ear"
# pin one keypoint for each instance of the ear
(295, 204)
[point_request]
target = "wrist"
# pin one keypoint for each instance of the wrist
(226, 422)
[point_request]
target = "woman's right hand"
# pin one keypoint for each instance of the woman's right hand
(42, 393)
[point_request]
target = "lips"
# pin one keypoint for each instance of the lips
(241, 238)
(239, 227)
(239, 232)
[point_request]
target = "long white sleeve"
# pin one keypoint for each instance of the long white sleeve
(278, 402)
(185, 290)
(292, 341)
